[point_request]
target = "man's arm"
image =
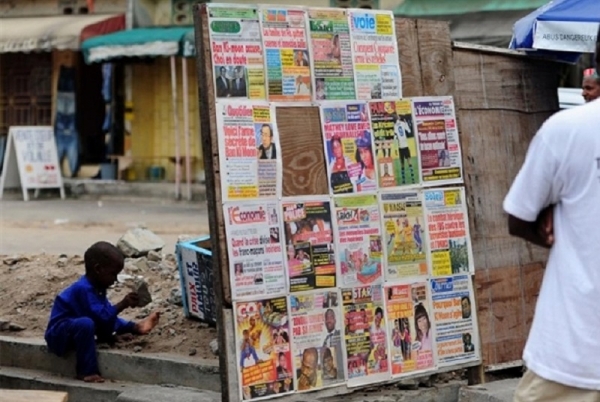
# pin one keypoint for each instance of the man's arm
(540, 232)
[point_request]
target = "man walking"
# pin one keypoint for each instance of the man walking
(554, 202)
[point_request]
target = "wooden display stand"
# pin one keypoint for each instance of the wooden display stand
(501, 99)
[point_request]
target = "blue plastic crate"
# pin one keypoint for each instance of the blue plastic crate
(194, 261)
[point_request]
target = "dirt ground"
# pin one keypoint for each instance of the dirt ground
(39, 232)
(30, 285)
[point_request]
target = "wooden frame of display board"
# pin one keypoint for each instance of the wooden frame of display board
(427, 61)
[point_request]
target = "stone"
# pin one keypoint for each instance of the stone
(172, 332)
(10, 326)
(15, 259)
(214, 346)
(141, 287)
(192, 352)
(141, 263)
(62, 262)
(131, 268)
(184, 237)
(124, 278)
(139, 242)
(154, 256)
(175, 297)
(153, 265)
(137, 349)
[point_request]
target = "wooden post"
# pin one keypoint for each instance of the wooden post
(210, 148)
(186, 127)
(176, 128)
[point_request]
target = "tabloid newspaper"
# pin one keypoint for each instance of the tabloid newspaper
(309, 244)
(317, 339)
(255, 249)
(249, 152)
(410, 327)
(287, 59)
(360, 247)
(454, 311)
(237, 52)
(263, 348)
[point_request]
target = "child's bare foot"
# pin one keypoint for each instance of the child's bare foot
(146, 325)
(91, 378)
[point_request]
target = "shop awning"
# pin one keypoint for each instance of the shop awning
(429, 8)
(139, 42)
(64, 32)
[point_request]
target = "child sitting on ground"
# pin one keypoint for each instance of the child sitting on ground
(81, 313)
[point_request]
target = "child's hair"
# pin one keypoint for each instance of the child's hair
(102, 254)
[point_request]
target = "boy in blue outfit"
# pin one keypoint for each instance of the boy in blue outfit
(81, 313)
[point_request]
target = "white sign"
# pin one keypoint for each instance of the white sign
(567, 36)
(31, 160)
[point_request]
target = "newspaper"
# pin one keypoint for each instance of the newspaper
(375, 54)
(264, 357)
(359, 239)
(316, 339)
(365, 335)
(255, 249)
(249, 152)
(287, 59)
(309, 243)
(395, 144)
(410, 328)
(404, 241)
(348, 147)
(333, 72)
(237, 52)
(455, 315)
(439, 145)
(448, 229)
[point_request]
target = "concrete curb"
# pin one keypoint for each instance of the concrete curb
(163, 394)
(152, 369)
(496, 391)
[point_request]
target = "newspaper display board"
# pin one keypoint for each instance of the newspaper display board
(372, 281)
(310, 245)
(237, 52)
(317, 340)
(348, 141)
(333, 74)
(375, 54)
(255, 249)
(457, 338)
(263, 348)
(360, 246)
(287, 59)
(249, 150)
(437, 134)
(395, 143)
(448, 226)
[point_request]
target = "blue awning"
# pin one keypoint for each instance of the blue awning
(139, 42)
(562, 29)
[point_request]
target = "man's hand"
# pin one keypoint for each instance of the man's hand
(130, 300)
(540, 232)
(545, 225)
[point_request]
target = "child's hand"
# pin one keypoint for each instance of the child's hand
(130, 300)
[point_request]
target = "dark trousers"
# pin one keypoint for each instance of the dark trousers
(78, 334)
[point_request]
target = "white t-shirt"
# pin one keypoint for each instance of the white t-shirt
(562, 167)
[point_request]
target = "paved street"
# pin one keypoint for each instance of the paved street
(55, 226)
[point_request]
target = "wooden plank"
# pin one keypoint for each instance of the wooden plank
(435, 54)
(210, 147)
(18, 395)
(302, 153)
(410, 65)
(494, 81)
